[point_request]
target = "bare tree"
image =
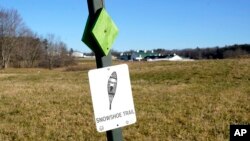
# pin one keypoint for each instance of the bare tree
(10, 25)
(28, 50)
(52, 50)
(20, 47)
(66, 58)
(55, 53)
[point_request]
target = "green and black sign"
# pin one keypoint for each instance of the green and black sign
(101, 33)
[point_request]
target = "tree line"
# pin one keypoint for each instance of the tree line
(21, 47)
(231, 51)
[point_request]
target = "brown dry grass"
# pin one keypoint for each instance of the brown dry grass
(174, 101)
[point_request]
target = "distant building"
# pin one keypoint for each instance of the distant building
(77, 54)
(138, 55)
(125, 56)
(151, 56)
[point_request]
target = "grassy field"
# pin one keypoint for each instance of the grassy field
(191, 101)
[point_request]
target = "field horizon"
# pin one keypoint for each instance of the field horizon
(195, 100)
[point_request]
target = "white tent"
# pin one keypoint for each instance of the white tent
(175, 58)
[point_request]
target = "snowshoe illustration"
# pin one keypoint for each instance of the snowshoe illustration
(112, 84)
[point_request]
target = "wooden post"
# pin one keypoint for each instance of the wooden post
(102, 61)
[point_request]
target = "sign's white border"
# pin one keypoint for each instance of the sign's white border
(113, 107)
